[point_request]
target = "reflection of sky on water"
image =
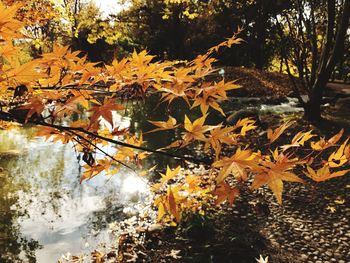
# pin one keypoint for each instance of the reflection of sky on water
(55, 209)
(52, 207)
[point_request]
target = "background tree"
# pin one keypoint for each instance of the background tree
(42, 23)
(184, 29)
(313, 52)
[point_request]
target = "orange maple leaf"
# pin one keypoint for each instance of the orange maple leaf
(35, 107)
(105, 111)
(224, 192)
(169, 174)
(299, 140)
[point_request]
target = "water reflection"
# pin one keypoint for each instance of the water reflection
(45, 211)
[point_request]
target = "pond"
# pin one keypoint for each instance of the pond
(44, 210)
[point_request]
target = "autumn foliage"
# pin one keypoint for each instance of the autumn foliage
(44, 91)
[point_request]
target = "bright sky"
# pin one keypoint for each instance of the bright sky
(108, 6)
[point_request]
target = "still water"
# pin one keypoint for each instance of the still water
(45, 211)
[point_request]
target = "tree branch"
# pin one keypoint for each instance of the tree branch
(9, 117)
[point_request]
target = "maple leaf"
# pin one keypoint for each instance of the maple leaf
(338, 158)
(331, 209)
(247, 127)
(205, 102)
(35, 107)
(274, 173)
(339, 201)
(141, 59)
(171, 201)
(171, 91)
(322, 144)
(262, 259)
(227, 43)
(176, 144)
(218, 136)
(195, 130)
(71, 105)
(89, 72)
(169, 174)
(236, 164)
(8, 51)
(9, 26)
(243, 122)
(92, 171)
(25, 73)
(168, 125)
(174, 254)
(193, 182)
(105, 111)
(47, 132)
(127, 154)
(223, 192)
(210, 94)
(117, 68)
(299, 140)
(323, 173)
(273, 135)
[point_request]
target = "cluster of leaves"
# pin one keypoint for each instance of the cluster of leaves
(46, 90)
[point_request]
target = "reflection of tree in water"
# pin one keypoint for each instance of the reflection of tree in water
(39, 175)
(24, 181)
(141, 111)
(13, 247)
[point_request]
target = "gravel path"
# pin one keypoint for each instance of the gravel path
(307, 227)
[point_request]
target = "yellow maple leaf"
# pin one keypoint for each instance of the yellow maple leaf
(339, 201)
(323, 173)
(195, 130)
(338, 158)
(322, 144)
(273, 173)
(236, 164)
(218, 136)
(170, 174)
(299, 140)
(164, 125)
(331, 209)
(273, 135)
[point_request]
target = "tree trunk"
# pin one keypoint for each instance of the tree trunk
(313, 106)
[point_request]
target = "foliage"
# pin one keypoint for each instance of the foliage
(313, 53)
(45, 90)
(184, 29)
